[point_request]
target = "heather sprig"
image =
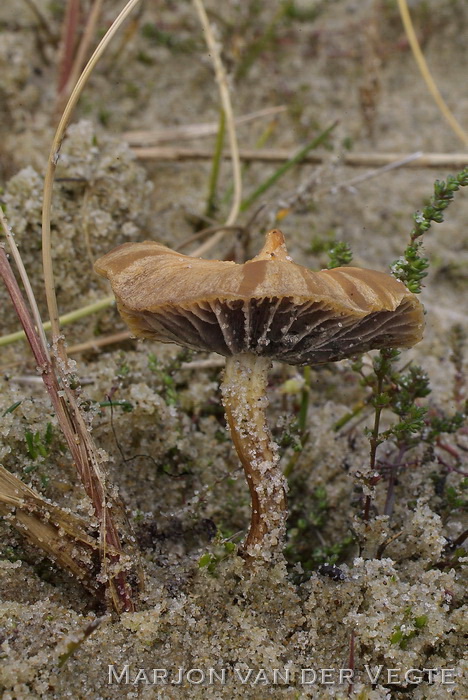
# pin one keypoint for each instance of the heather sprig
(411, 267)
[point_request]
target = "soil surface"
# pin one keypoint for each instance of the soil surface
(366, 599)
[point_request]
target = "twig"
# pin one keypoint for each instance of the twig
(192, 131)
(58, 533)
(374, 435)
(460, 539)
(376, 172)
(383, 546)
(206, 232)
(96, 343)
(50, 173)
(68, 41)
(75, 69)
(211, 363)
(25, 279)
(278, 155)
(221, 79)
(426, 74)
(26, 379)
(82, 449)
(76, 639)
(70, 317)
(390, 498)
(351, 659)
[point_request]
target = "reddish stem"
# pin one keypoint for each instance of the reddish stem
(78, 440)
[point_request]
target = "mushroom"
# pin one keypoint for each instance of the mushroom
(268, 308)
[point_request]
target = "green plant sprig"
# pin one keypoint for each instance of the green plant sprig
(340, 254)
(411, 267)
(300, 155)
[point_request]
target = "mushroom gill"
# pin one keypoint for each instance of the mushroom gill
(269, 306)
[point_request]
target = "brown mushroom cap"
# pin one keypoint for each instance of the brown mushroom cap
(269, 306)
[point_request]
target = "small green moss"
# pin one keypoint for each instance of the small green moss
(420, 621)
(396, 637)
(205, 560)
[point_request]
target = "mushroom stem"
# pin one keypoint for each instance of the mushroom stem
(244, 399)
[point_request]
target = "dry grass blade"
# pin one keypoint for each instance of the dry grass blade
(84, 453)
(108, 510)
(426, 73)
(279, 155)
(70, 317)
(192, 131)
(96, 343)
(347, 184)
(68, 40)
(221, 79)
(62, 536)
(50, 174)
(25, 280)
(75, 68)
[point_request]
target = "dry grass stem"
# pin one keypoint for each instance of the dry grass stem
(278, 155)
(25, 280)
(212, 363)
(96, 343)
(80, 57)
(66, 319)
(192, 131)
(50, 173)
(108, 510)
(377, 172)
(426, 73)
(222, 81)
(206, 232)
(69, 32)
(62, 536)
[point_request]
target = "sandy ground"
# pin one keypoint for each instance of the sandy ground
(171, 456)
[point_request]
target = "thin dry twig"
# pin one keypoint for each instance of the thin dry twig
(192, 131)
(377, 172)
(68, 41)
(278, 155)
(50, 174)
(96, 343)
(221, 79)
(58, 533)
(76, 66)
(25, 280)
(426, 73)
(206, 232)
(107, 509)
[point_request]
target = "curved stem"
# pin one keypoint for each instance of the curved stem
(244, 399)
(222, 80)
(49, 284)
(426, 74)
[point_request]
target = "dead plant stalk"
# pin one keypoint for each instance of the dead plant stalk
(278, 155)
(80, 444)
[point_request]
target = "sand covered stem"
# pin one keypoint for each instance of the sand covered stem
(244, 399)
